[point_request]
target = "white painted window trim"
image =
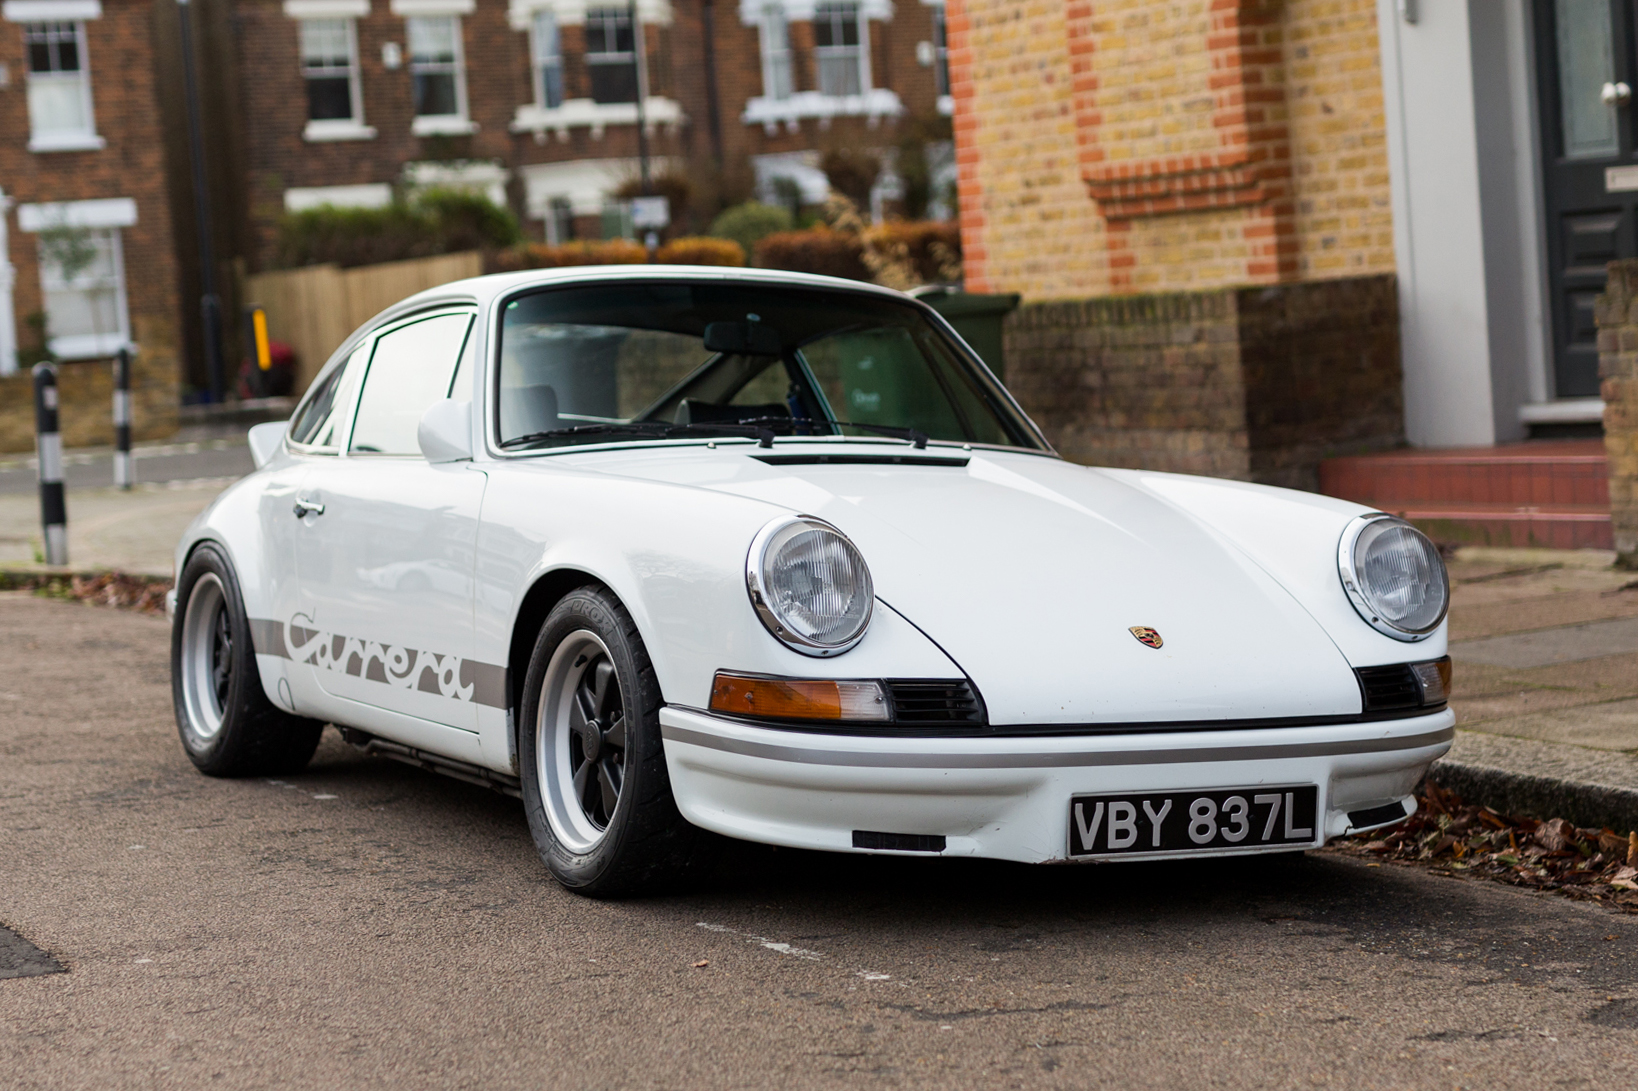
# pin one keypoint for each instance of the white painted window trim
(583, 113)
(92, 346)
(459, 123)
(50, 11)
(102, 213)
(801, 11)
(773, 49)
(571, 13)
(873, 105)
(408, 8)
(537, 72)
(326, 9)
(8, 313)
(86, 140)
(368, 195)
(333, 130)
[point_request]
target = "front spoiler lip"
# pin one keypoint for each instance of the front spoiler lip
(813, 750)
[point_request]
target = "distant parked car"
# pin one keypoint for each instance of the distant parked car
(672, 552)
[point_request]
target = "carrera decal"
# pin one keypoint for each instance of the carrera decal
(394, 665)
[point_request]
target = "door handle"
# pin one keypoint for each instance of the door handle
(308, 507)
(1615, 94)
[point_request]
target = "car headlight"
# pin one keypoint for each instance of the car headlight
(809, 585)
(1394, 576)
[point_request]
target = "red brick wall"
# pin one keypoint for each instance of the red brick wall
(119, 48)
(498, 81)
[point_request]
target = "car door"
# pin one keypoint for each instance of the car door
(386, 562)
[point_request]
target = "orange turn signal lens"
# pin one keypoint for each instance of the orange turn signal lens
(797, 698)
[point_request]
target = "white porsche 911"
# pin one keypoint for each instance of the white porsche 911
(673, 552)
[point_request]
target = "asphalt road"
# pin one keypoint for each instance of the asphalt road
(365, 924)
(93, 468)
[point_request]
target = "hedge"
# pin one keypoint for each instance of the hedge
(817, 250)
(434, 222)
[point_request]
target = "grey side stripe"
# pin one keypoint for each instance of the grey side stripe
(488, 681)
(778, 752)
(268, 637)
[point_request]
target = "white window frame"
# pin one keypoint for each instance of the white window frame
(333, 129)
(67, 140)
(540, 60)
(86, 346)
(861, 52)
(775, 33)
(459, 123)
(637, 61)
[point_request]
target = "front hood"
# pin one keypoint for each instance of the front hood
(1031, 572)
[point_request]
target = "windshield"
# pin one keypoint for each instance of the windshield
(667, 359)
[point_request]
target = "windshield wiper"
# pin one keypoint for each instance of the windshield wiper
(655, 428)
(914, 435)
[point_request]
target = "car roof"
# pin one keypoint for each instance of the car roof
(485, 289)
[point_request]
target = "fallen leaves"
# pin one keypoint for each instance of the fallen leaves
(145, 594)
(1556, 855)
(702, 964)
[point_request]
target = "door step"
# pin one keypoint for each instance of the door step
(1552, 495)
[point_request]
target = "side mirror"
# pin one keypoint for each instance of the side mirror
(265, 441)
(445, 431)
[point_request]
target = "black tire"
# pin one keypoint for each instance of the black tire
(228, 726)
(641, 845)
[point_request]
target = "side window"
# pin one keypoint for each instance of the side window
(412, 367)
(322, 419)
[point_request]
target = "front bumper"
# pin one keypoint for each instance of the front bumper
(1008, 798)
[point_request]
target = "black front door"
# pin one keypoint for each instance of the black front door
(1587, 71)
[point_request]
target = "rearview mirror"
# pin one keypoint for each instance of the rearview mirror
(445, 431)
(742, 338)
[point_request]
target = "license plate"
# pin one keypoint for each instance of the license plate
(1222, 818)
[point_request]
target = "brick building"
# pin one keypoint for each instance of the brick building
(87, 259)
(1477, 157)
(534, 102)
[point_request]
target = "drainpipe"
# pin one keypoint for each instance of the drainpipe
(210, 304)
(713, 109)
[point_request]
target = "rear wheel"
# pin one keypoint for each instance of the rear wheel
(595, 786)
(228, 726)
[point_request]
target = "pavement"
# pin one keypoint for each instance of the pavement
(1545, 651)
(366, 924)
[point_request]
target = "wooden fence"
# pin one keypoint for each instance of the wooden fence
(314, 309)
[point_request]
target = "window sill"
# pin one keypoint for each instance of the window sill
(443, 126)
(583, 113)
(88, 346)
(67, 142)
(325, 132)
(873, 105)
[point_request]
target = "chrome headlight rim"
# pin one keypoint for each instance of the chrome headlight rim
(756, 586)
(1352, 584)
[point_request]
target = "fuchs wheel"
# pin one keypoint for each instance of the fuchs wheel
(229, 728)
(595, 786)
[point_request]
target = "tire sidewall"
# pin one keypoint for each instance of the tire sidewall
(208, 752)
(590, 609)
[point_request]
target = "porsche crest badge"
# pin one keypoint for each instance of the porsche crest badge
(1146, 635)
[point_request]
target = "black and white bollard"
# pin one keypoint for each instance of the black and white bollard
(53, 508)
(123, 476)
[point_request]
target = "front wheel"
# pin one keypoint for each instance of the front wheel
(595, 787)
(229, 728)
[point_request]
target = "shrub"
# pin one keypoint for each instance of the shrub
(904, 254)
(851, 172)
(436, 222)
(540, 256)
(817, 250)
(750, 223)
(701, 251)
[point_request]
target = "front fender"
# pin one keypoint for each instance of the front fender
(675, 556)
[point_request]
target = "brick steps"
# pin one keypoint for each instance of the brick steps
(1546, 494)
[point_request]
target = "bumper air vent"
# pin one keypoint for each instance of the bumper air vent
(898, 842)
(1400, 687)
(936, 702)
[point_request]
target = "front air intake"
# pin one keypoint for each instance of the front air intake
(932, 702)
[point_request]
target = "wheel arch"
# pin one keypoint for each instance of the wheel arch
(544, 594)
